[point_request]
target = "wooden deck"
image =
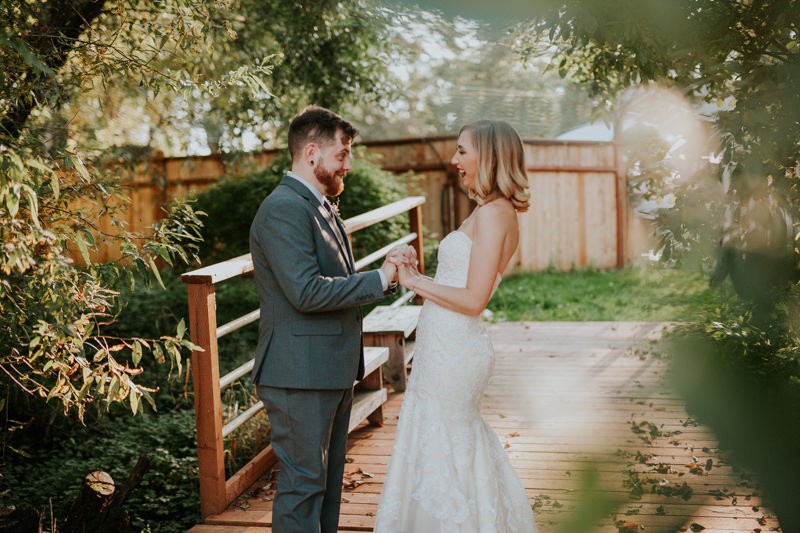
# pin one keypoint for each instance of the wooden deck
(568, 399)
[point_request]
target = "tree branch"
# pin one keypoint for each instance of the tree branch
(65, 18)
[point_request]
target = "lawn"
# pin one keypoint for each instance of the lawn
(656, 295)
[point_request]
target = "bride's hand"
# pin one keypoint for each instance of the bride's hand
(402, 255)
(408, 276)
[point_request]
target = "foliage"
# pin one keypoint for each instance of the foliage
(739, 61)
(664, 148)
(167, 500)
(68, 67)
(54, 313)
(739, 58)
(743, 378)
(227, 75)
(232, 203)
(587, 295)
(455, 70)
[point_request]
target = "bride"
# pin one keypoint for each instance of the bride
(448, 472)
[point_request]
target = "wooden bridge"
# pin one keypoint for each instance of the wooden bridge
(578, 406)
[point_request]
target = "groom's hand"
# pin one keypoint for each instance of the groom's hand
(389, 270)
(397, 256)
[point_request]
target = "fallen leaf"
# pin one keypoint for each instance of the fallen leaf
(696, 527)
(627, 527)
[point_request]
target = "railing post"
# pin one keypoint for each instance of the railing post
(415, 226)
(207, 400)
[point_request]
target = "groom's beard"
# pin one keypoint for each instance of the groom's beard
(333, 182)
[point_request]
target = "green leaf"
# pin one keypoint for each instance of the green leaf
(12, 202)
(82, 247)
(150, 400)
(112, 389)
(81, 168)
(99, 355)
(33, 200)
(157, 274)
(136, 354)
(89, 236)
(134, 400)
(181, 329)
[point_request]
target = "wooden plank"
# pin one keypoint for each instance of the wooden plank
(364, 220)
(207, 402)
(415, 227)
(250, 473)
(386, 319)
(215, 273)
(374, 357)
(364, 403)
(550, 459)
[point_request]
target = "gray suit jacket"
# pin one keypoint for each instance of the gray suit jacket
(310, 328)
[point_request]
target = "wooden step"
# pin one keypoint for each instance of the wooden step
(374, 357)
(386, 319)
(364, 404)
(393, 327)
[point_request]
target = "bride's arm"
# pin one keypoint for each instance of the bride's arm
(490, 232)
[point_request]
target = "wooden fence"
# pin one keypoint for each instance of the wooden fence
(578, 204)
(578, 215)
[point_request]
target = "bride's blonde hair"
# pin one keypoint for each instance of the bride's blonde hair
(501, 163)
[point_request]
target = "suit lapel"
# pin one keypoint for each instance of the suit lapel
(338, 234)
(350, 259)
(337, 229)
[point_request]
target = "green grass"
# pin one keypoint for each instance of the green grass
(586, 295)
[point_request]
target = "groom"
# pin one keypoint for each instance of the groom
(310, 346)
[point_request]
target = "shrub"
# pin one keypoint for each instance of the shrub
(741, 377)
(167, 499)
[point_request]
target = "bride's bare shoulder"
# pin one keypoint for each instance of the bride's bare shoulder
(500, 211)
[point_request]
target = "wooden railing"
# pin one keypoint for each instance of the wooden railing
(217, 492)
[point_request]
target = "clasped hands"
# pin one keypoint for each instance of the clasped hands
(402, 262)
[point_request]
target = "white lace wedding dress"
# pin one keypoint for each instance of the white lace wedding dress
(448, 472)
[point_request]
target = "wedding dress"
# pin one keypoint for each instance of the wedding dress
(448, 472)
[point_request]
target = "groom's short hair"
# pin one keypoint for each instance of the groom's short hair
(315, 124)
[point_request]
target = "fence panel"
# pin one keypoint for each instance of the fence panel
(578, 209)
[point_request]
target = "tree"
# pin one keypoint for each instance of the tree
(235, 89)
(63, 57)
(454, 71)
(739, 58)
(52, 311)
(739, 371)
